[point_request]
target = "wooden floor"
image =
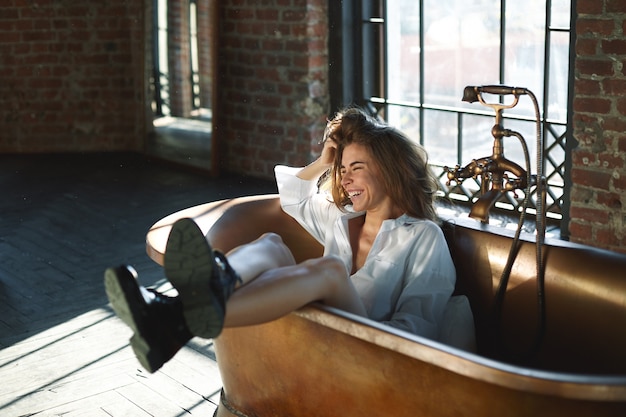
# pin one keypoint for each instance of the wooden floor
(63, 220)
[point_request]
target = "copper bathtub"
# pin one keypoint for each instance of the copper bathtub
(323, 362)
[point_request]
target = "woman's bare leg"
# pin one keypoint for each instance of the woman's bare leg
(271, 284)
(263, 254)
(279, 291)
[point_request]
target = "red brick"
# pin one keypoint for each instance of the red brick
(278, 60)
(267, 14)
(595, 67)
(585, 120)
(317, 61)
(586, 46)
(317, 46)
(294, 16)
(619, 183)
(268, 100)
(273, 45)
(615, 124)
(605, 237)
(589, 7)
(583, 157)
(591, 178)
(241, 14)
(587, 87)
(615, 6)
(296, 46)
(9, 13)
(614, 46)
(614, 86)
(586, 26)
(9, 38)
(579, 232)
(271, 74)
(611, 161)
(299, 30)
(597, 215)
(610, 200)
(586, 138)
(592, 105)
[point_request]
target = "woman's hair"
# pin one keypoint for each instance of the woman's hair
(403, 164)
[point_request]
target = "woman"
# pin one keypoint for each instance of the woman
(384, 257)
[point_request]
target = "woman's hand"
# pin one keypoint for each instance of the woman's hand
(329, 151)
(322, 164)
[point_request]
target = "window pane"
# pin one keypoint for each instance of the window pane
(524, 57)
(406, 119)
(477, 139)
(403, 59)
(461, 42)
(559, 73)
(560, 16)
(440, 137)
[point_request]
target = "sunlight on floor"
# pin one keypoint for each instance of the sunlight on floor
(84, 366)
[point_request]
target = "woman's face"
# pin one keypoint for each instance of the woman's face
(361, 179)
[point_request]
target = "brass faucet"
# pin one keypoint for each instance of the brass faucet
(495, 180)
(493, 170)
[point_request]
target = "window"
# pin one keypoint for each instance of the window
(183, 63)
(176, 45)
(412, 60)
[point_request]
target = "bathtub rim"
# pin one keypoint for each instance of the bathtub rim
(595, 387)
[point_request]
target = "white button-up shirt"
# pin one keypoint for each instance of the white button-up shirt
(408, 276)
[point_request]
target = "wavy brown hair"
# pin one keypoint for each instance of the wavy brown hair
(402, 162)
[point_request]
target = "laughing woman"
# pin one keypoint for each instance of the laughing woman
(384, 257)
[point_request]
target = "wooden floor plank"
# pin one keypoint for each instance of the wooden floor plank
(43, 398)
(105, 405)
(150, 401)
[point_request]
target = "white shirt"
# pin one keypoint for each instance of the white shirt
(408, 276)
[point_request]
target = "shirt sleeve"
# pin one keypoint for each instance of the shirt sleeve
(300, 199)
(427, 286)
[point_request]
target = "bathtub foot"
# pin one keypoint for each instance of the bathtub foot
(226, 409)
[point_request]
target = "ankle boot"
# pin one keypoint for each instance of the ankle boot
(203, 278)
(156, 319)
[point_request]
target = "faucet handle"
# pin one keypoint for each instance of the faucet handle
(513, 184)
(452, 174)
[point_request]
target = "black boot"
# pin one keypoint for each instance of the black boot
(203, 278)
(156, 319)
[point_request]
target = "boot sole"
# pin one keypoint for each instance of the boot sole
(189, 263)
(123, 292)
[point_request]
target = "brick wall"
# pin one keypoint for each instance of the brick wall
(71, 75)
(273, 98)
(598, 198)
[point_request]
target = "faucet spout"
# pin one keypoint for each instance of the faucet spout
(480, 209)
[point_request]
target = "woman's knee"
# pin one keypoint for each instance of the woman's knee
(279, 248)
(335, 286)
(271, 237)
(331, 268)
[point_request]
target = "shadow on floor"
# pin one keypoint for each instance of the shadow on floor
(65, 218)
